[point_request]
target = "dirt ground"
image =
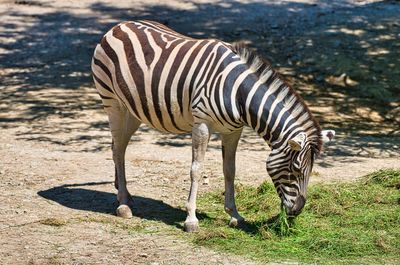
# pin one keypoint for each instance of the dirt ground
(57, 198)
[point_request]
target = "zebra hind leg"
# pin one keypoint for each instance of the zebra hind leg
(229, 145)
(200, 138)
(122, 125)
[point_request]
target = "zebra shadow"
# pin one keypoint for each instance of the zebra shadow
(76, 197)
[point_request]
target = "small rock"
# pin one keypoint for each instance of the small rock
(206, 181)
(144, 255)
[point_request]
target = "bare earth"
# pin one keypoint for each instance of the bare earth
(57, 198)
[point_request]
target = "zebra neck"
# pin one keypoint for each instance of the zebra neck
(272, 112)
(265, 120)
(270, 106)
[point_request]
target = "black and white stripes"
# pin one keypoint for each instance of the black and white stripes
(171, 82)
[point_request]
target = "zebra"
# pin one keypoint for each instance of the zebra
(147, 73)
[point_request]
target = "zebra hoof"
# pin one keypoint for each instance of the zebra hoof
(191, 227)
(124, 211)
(236, 222)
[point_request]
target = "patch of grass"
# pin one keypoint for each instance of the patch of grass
(281, 224)
(53, 222)
(315, 174)
(388, 178)
(346, 223)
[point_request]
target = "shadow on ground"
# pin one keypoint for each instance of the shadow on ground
(75, 197)
(46, 82)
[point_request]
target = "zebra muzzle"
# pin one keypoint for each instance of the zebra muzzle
(297, 207)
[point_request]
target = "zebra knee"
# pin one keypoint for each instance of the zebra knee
(195, 171)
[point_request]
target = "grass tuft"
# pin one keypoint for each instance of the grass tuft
(349, 223)
(281, 224)
(387, 178)
(209, 235)
(53, 222)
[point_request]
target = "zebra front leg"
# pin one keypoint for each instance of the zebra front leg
(229, 145)
(122, 125)
(200, 138)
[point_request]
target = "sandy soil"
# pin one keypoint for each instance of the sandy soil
(57, 199)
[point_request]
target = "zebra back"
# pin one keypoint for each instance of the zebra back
(169, 81)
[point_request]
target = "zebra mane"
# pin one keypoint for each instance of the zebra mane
(264, 71)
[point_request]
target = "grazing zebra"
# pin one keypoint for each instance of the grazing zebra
(148, 73)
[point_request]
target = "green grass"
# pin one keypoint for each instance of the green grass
(347, 223)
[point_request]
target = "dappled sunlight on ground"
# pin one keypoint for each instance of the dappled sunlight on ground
(342, 56)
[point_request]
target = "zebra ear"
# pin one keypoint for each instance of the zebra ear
(327, 135)
(297, 142)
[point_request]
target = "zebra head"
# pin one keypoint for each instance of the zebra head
(290, 167)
